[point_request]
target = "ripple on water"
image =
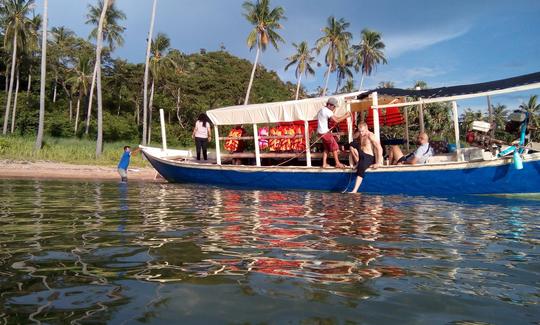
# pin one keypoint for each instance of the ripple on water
(98, 252)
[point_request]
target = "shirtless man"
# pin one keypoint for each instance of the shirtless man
(367, 151)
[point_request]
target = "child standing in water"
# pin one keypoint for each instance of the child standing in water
(124, 162)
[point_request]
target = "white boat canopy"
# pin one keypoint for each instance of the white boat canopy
(295, 110)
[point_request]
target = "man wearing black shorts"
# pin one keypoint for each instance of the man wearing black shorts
(367, 151)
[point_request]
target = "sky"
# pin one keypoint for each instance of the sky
(443, 43)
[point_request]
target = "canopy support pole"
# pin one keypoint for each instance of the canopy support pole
(350, 130)
(456, 130)
(374, 106)
(218, 151)
(406, 115)
(308, 145)
(257, 150)
(421, 117)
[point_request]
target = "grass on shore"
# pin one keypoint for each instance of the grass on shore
(66, 150)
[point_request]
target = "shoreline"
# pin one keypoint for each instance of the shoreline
(58, 170)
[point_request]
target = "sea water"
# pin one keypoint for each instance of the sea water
(76, 252)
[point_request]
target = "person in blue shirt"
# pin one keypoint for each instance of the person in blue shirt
(124, 162)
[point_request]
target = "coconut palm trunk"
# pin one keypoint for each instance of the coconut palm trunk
(150, 109)
(55, 88)
(29, 83)
(178, 108)
(298, 86)
(12, 76)
(8, 67)
(90, 98)
(146, 70)
(361, 82)
(327, 79)
(13, 116)
(70, 109)
(246, 100)
(99, 47)
(39, 137)
(77, 114)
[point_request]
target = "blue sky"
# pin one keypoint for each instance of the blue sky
(444, 43)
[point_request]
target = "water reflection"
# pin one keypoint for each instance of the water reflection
(93, 252)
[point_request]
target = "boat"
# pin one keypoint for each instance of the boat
(487, 167)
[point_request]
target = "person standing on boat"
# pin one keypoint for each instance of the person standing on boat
(420, 156)
(202, 134)
(329, 142)
(367, 151)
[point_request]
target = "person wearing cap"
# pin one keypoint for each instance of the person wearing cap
(329, 142)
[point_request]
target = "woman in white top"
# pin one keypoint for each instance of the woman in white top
(202, 134)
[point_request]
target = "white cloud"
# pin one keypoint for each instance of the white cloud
(398, 44)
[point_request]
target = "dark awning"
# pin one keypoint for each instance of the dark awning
(484, 87)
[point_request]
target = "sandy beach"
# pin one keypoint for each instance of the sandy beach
(55, 170)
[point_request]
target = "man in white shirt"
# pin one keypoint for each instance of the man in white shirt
(329, 142)
(419, 156)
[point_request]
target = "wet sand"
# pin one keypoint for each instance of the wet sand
(54, 170)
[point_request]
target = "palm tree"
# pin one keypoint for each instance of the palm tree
(17, 26)
(336, 38)
(27, 53)
(112, 33)
(343, 68)
(112, 30)
(80, 80)
(146, 71)
(500, 113)
(534, 113)
(33, 46)
(386, 84)
(39, 137)
(369, 53)
(266, 21)
(348, 87)
(61, 39)
(468, 117)
(99, 46)
(159, 63)
(420, 84)
(303, 60)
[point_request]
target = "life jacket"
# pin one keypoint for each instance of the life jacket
(274, 144)
(299, 143)
(286, 144)
(263, 142)
(233, 145)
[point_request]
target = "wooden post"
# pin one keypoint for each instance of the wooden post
(406, 114)
(218, 151)
(349, 124)
(456, 130)
(257, 150)
(349, 132)
(490, 116)
(163, 133)
(375, 108)
(308, 145)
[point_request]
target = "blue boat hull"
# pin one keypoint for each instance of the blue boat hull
(445, 179)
